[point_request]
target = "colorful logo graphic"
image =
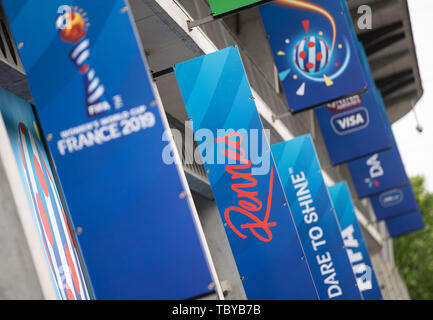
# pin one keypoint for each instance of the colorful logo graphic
(350, 121)
(50, 219)
(73, 26)
(311, 55)
(316, 55)
(375, 171)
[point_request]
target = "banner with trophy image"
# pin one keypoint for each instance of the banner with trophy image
(133, 216)
(243, 177)
(314, 51)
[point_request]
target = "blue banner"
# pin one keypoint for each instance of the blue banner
(394, 202)
(243, 177)
(318, 228)
(381, 171)
(404, 224)
(353, 127)
(314, 51)
(95, 101)
(44, 200)
(354, 242)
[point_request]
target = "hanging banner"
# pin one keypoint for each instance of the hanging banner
(314, 51)
(43, 197)
(243, 177)
(104, 126)
(379, 172)
(353, 127)
(404, 224)
(318, 228)
(354, 242)
(219, 7)
(394, 202)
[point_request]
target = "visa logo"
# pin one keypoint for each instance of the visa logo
(391, 198)
(350, 121)
(376, 169)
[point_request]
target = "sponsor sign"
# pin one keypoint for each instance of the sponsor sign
(354, 242)
(243, 177)
(314, 51)
(317, 224)
(104, 127)
(353, 127)
(394, 202)
(404, 224)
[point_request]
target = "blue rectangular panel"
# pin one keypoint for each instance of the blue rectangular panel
(379, 172)
(314, 51)
(354, 242)
(318, 228)
(42, 195)
(353, 127)
(404, 224)
(104, 129)
(394, 202)
(243, 177)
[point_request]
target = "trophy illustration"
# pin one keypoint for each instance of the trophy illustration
(73, 29)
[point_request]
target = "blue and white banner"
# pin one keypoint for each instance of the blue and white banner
(243, 177)
(382, 171)
(317, 224)
(404, 224)
(314, 51)
(354, 242)
(353, 127)
(394, 202)
(43, 197)
(104, 126)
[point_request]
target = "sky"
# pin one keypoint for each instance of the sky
(415, 148)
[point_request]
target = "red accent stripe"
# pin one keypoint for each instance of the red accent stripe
(46, 169)
(41, 176)
(72, 268)
(69, 293)
(44, 218)
(22, 155)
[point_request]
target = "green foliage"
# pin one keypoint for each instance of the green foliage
(414, 251)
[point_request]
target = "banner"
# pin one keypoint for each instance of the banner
(104, 126)
(394, 202)
(404, 224)
(318, 228)
(243, 177)
(353, 127)
(381, 171)
(314, 51)
(44, 201)
(354, 242)
(219, 7)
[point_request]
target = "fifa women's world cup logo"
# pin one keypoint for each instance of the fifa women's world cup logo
(73, 24)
